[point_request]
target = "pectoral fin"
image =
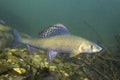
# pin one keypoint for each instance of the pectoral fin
(51, 55)
(73, 54)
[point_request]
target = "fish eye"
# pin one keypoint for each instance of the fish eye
(91, 47)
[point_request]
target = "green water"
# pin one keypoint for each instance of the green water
(91, 19)
(31, 16)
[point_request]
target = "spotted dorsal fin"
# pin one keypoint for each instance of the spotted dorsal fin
(57, 29)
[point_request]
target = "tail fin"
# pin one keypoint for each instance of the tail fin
(17, 38)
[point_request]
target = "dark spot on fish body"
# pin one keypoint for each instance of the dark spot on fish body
(91, 47)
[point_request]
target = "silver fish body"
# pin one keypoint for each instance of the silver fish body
(63, 43)
(57, 39)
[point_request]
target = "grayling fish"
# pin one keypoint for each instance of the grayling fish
(57, 39)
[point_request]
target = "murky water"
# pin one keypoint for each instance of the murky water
(96, 20)
(32, 16)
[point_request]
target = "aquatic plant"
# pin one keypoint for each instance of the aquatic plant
(19, 64)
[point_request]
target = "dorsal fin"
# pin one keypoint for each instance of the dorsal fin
(57, 29)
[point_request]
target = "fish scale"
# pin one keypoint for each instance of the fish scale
(57, 39)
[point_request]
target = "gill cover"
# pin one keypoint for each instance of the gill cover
(89, 47)
(86, 47)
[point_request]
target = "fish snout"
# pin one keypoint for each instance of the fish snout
(98, 49)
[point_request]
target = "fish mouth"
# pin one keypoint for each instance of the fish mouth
(99, 48)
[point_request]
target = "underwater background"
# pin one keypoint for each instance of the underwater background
(32, 16)
(96, 20)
